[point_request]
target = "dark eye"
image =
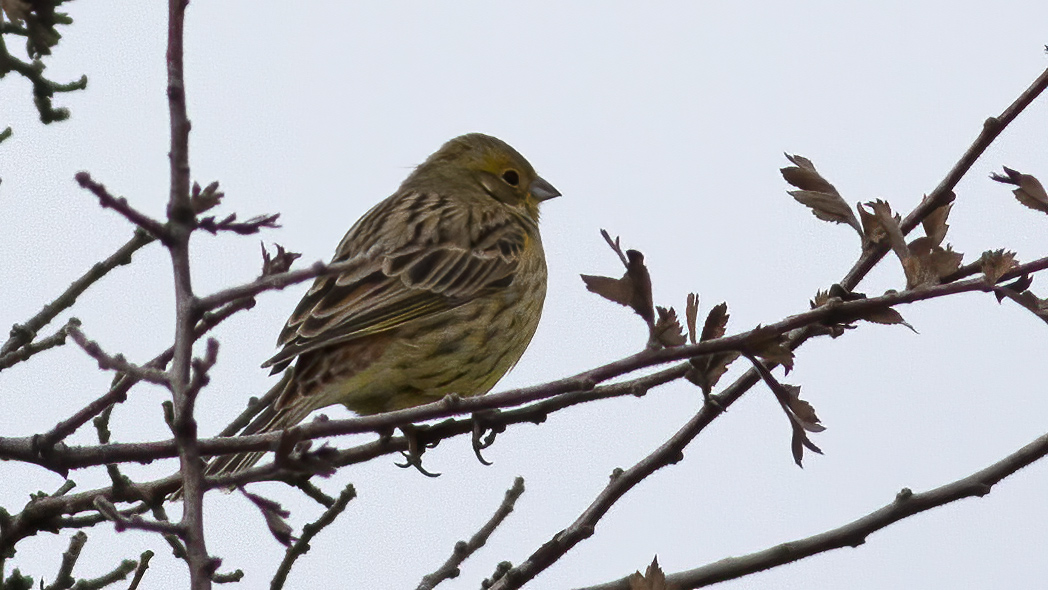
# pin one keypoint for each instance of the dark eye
(511, 177)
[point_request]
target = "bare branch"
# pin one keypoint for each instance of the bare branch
(124, 522)
(943, 193)
(301, 545)
(64, 577)
(22, 334)
(120, 205)
(854, 534)
(672, 450)
(181, 223)
(28, 350)
(140, 570)
(272, 283)
(77, 457)
(464, 549)
(118, 362)
(118, 392)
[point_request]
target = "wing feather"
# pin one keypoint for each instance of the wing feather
(412, 266)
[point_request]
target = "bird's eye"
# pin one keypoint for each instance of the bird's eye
(511, 177)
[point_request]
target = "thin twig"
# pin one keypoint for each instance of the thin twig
(118, 573)
(272, 283)
(464, 549)
(118, 362)
(118, 392)
(134, 521)
(22, 334)
(29, 349)
(64, 577)
(301, 545)
(140, 570)
(121, 206)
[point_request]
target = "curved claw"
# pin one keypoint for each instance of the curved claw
(480, 440)
(413, 456)
(478, 444)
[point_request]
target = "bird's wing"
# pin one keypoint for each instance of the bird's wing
(444, 262)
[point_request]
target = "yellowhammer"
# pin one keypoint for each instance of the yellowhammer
(443, 296)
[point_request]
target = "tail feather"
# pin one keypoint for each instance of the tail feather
(271, 419)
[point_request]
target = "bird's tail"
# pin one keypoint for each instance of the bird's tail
(271, 419)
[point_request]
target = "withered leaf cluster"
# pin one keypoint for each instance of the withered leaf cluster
(925, 260)
(838, 323)
(653, 579)
(1029, 190)
(277, 263)
(818, 194)
(800, 413)
(633, 290)
(706, 370)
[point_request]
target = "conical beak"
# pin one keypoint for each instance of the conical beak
(542, 190)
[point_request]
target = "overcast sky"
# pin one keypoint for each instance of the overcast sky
(663, 122)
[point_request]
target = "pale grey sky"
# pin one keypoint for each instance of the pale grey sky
(664, 123)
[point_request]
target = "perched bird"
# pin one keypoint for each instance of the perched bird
(445, 288)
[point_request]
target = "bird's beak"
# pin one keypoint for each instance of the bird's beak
(542, 190)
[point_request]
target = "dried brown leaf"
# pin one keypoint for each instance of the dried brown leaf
(799, 442)
(667, 330)
(16, 10)
(872, 232)
(927, 262)
(691, 312)
(653, 578)
(802, 410)
(1030, 191)
(817, 193)
(279, 263)
(275, 516)
(889, 223)
(995, 263)
(775, 350)
(944, 261)
(632, 290)
(804, 176)
(821, 298)
(800, 413)
(885, 315)
(935, 226)
(706, 370)
(716, 322)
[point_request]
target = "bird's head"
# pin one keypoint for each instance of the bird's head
(492, 165)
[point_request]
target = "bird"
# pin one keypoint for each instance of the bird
(444, 289)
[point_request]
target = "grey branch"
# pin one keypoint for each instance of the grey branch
(29, 349)
(853, 534)
(22, 334)
(464, 549)
(121, 206)
(672, 450)
(118, 362)
(301, 545)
